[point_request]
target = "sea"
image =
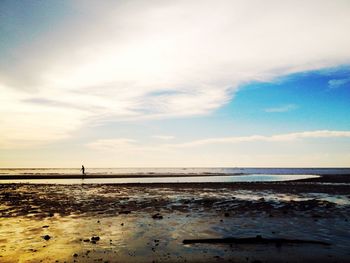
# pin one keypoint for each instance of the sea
(162, 175)
(173, 171)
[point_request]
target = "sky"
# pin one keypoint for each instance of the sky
(185, 83)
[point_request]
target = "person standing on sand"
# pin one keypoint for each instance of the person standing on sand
(82, 170)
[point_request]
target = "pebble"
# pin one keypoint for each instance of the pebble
(157, 216)
(95, 238)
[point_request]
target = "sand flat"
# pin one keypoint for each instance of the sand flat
(146, 223)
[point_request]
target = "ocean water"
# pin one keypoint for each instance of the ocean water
(174, 171)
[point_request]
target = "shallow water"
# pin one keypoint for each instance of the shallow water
(187, 179)
(134, 238)
(70, 214)
(176, 171)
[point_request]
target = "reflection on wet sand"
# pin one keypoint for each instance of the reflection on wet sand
(148, 179)
(145, 223)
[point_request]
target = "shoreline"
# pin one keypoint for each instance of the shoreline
(322, 178)
(101, 176)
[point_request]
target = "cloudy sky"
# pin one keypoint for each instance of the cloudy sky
(175, 83)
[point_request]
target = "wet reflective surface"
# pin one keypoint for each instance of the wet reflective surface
(181, 179)
(122, 217)
(176, 171)
(139, 238)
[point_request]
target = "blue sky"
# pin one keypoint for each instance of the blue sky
(302, 101)
(190, 83)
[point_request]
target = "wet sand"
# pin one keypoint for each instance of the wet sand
(148, 222)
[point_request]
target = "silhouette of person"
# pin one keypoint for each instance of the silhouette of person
(82, 170)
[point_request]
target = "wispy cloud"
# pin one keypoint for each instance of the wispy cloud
(283, 108)
(125, 144)
(120, 144)
(163, 137)
(173, 59)
(337, 83)
(263, 138)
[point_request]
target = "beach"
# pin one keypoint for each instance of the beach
(175, 131)
(291, 221)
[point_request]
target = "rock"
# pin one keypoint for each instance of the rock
(75, 255)
(95, 238)
(46, 237)
(86, 240)
(45, 226)
(227, 214)
(124, 212)
(157, 216)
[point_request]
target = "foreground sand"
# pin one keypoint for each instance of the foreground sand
(148, 223)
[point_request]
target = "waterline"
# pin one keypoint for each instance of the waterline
(183, 179)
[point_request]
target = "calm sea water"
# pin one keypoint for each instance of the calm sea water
(180, 179)
(176, 171)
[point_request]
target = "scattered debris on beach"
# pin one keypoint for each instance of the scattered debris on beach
(46, 237)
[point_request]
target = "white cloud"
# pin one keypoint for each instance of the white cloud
(22, 125)
(123, 146)
(336, 83)
(283, 108)
(160, 59)
(163, 137)
(272, 138)
(329, 148)
(120, 144)
(127, 145)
